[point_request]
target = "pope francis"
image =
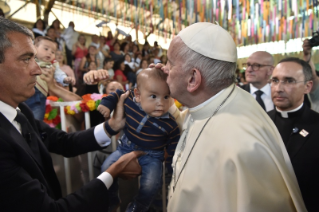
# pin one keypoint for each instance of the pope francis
(230, 156)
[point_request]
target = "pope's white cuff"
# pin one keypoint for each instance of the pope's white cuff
(101, 137)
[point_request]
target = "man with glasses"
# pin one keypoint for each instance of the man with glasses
(259, 68)
(297, 124)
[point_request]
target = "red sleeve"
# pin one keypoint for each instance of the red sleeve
(120, 73)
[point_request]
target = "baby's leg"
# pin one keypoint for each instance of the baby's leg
(150, 182)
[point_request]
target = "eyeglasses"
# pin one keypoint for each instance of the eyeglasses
(255, 66)
(285, 82)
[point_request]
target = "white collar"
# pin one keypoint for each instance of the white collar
(284, 114)
(9, 112)
(266, 89)
(198, 107)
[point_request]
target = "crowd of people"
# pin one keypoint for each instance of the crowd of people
(127, 56)
(249, 146)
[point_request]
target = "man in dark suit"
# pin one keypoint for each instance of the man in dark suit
(297, 124)
(259, 68)
(27, 178)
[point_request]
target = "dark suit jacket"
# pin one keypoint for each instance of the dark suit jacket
(28, 182)
(304, 155)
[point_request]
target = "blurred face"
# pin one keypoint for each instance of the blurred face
(113, 86)
(19, 68)
(260, 77)
(71, 24)
(102, 40)
(92, 66)
(95, 39)
(126, 47)
(109, 35)
(164, 59)
(116, 46)
(122, 66)
(59, 56)
(109, 65)
(82, 40)
(153, 95)
(290, 95)
(46, 50)
(92, 50)
(51, 33)
(39, 25)
(56, 24)
(175, 80)
(127, 58)
(144, 64)
(135, 48)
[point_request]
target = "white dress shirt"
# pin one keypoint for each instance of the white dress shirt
(266, 96)
(101, 137)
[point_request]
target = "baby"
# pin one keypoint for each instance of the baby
(45, 58)
(149, 128)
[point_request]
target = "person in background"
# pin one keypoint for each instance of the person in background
(144, 65)
(125, 48)
(116, 54)
(163, 59)
(119, 75)
(56, 26)
(146, 50)
(79, 51)
(297, 124)
(128, 61)
(108, 65)
(104, 48)
(110, 39)
(91, 56)
(100, 56)
(2, 13)
(39, 28)
(45, 58)
(65, 68)
(259, 68)
(314, 93)
(135, 50)
(70, 38)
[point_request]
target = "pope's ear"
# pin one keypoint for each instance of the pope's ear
(137, 95)
(194, 81)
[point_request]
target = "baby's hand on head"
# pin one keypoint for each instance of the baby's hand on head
(104, 111)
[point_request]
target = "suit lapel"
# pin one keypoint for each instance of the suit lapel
(18, 139)
(297, 140)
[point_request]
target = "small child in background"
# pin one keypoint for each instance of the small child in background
(108, 64)
(149, 128)
(45, 58)
(128, 61)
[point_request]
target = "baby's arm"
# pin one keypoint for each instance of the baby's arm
(59, 75)
(109, 103)
(104, 111)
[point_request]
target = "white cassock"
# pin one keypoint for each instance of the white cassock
(237, 163)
